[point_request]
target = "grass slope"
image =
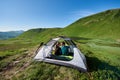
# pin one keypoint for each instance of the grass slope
(38, 35)
(101, 48)
(102, 25)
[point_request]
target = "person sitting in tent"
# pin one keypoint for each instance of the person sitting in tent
(64, 49)
(58, 49)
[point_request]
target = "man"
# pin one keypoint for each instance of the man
(64, 49)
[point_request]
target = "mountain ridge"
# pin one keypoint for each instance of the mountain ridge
(101, 25)
(96, 25)
(10, 34)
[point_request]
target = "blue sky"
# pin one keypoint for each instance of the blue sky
(27, 14)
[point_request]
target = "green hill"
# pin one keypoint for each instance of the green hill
(97, 36)
(38, 35)
(101, 25)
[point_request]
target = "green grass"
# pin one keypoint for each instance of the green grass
(43, 71)
(102, 61)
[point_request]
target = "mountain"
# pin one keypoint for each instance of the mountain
(10, 34)
(97, 36)
(101, 25)
(38, 35)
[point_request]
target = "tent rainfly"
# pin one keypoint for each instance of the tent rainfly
(45, 54)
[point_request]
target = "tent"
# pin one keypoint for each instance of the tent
(75, 60)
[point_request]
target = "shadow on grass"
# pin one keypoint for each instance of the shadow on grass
(95, 64)
(2, 57)
(79, 38)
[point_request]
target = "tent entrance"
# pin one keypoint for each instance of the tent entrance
(60, 55)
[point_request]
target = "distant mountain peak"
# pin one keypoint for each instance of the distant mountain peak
(10, 34)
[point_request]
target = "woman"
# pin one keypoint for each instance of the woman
(57, 49)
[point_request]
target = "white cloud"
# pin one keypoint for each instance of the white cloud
(83, 13)
(80, 14)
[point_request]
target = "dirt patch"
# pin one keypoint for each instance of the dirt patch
(19, 64)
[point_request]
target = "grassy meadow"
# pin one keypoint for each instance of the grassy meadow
(102, 59)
